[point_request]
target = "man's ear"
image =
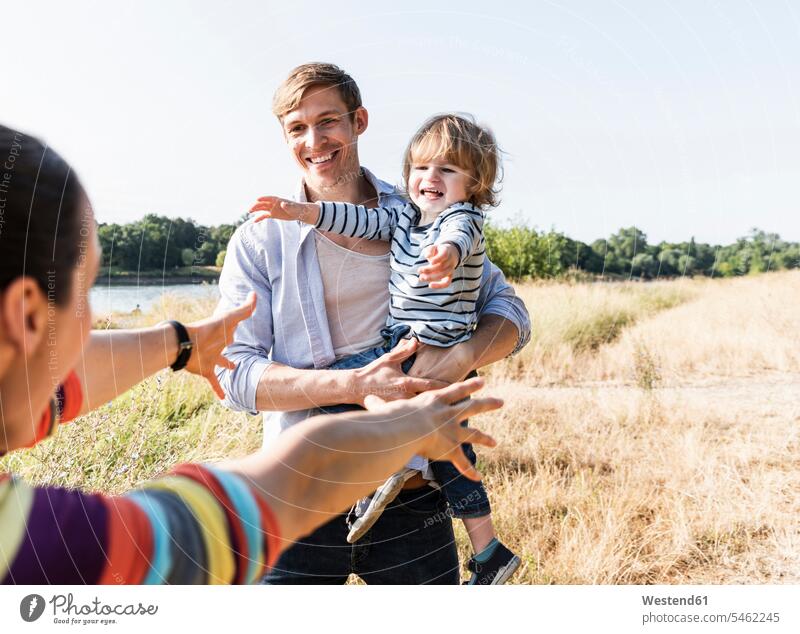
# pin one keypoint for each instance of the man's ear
(360, 120)
(23, 311)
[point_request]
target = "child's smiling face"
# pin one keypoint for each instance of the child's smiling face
(436, 184)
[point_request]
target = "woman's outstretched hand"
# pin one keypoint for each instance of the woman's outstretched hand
(444, 410)
(210, 337)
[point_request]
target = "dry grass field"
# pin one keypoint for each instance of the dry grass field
(650, 433)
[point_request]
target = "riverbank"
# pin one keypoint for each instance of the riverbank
(156, 277)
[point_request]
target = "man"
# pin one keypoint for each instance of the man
(322, 296)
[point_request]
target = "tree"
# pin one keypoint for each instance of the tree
(626, 243)
(644, 265)
(187, 256)
(686, 265)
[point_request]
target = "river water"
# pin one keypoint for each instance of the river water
(123, 299)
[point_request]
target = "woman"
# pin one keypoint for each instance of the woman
(200, 524)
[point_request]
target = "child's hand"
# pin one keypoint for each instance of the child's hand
(282, 209)
(443, 260)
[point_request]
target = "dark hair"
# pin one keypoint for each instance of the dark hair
(40, 218)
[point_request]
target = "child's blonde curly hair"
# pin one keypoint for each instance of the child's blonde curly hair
(457, 139)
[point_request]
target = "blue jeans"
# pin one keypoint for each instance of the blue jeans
(466, 497)
(411, 543)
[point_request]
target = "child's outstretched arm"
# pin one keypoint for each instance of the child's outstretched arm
(356, 221)
(283, 209)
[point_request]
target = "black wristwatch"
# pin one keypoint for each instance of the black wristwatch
(184, 345)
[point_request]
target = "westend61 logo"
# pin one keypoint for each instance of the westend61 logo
(67, 612)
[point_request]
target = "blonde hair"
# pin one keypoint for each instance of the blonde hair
(457, 139)
(288, 95)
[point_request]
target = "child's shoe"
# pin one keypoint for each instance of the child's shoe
(493, 566)
(374, 505)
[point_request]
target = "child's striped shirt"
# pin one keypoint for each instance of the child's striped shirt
(439, 317)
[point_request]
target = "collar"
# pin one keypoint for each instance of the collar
(381, 187)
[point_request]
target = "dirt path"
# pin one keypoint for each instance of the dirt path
(773, 394)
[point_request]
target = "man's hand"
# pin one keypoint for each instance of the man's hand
(444, 410)
(283, 209)
(442, 261)
(384, 377)
(210, 337)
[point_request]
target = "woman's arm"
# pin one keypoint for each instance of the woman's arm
(202, 524)
(318, 468)
(116, 360)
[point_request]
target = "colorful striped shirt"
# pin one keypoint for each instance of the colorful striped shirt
(197, 524)
(443, 317)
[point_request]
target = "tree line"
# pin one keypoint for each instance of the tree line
(161, 243)
(522, 252)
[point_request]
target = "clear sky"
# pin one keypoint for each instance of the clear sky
(679, 117)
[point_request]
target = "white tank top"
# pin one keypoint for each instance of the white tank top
(356, 295)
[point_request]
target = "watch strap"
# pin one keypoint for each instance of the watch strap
(184, 345)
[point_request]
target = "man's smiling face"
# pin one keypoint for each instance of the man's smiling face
(323, 136)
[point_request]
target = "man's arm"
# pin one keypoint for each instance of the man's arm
(244, 272)
(503, 329)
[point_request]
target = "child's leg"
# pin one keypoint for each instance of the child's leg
(480, 531)
(374, 506)
(493, 563)
(467, 499)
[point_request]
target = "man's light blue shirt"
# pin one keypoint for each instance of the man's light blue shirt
(278, 260)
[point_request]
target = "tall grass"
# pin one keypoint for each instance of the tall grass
(571, 322)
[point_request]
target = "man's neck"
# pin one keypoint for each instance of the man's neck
(357, 190)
